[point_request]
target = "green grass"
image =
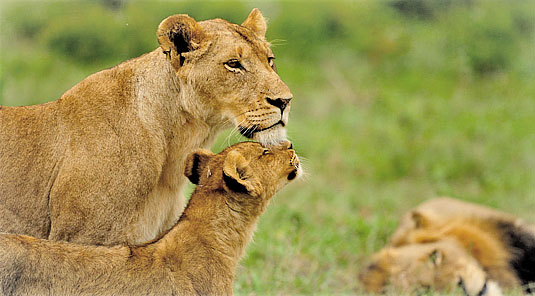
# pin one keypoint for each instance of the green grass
(390, 108)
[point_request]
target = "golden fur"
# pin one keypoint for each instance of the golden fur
(415, 268)
(102, 164)
(490, 244)
(440, 210)
(197, 256)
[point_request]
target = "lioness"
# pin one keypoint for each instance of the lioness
(471, 237)
(101, 164)
(197, 256)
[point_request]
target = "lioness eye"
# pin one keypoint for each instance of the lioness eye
(266, 151)
(271, 62)
(234, 64)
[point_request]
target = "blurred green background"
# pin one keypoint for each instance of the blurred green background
(394, 102)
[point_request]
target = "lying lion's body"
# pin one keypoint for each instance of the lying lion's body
(414, 268)
(102, 164)
(502, 245)
(197, 256)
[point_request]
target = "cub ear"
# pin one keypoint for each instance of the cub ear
(256, 23)
(179, 34)
(195, 164)
(237, 177)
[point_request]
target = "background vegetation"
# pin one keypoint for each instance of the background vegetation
(395, 102)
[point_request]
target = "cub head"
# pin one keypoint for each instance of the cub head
(251, 173)
(442, 266)
(227, 73)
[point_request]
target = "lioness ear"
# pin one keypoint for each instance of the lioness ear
(236, 177)
(195, 164)
(256, 23)
(179, 34)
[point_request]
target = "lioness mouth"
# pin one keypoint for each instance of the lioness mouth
(250, 131)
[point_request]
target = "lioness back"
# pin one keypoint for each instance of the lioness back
(21, 177)
(102, 164)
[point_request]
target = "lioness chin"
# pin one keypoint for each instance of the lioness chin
(198, 256)
(101, 164)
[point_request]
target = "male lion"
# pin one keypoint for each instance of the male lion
(415, 268)
(198, 256)
(101, 164)
(480, 248)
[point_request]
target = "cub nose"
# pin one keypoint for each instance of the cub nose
(281, 103)
(286, 144)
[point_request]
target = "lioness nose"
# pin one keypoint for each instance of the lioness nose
(279, 102)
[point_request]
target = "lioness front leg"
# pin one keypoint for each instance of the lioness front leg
(11, 223)
(88, 207)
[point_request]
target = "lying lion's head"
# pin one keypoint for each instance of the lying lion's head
(229, 72)
(442, 266)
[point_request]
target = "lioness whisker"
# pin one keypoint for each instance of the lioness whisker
(233, 131)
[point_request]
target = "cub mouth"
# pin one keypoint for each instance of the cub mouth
(292, 175)
(296, 172)
(250, 131)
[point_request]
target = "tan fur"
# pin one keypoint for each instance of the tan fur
(197, 256)
(102, 164)
(470, 233)
(418, 267)
(479, 239)
(442, 209)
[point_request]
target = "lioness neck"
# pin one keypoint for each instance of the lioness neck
(171, 104)
(171, 112)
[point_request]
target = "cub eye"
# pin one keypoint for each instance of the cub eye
(234, 65)
(266, 151)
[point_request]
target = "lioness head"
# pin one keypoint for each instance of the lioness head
(230, 71)
(442, 266)
(247, 170)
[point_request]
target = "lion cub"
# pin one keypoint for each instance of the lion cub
(197, 256)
